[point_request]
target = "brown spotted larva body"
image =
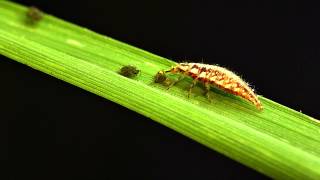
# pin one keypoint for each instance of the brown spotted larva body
(218, 77)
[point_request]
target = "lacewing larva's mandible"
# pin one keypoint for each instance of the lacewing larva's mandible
(212, 75)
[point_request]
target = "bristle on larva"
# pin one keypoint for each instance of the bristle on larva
(219, 77)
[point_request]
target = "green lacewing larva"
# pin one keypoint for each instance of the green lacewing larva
(213, 75)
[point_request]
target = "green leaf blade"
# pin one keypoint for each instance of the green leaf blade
(277, 141)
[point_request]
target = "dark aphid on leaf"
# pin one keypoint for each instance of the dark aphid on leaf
(161, 78)
(216, 76)
(129, 71)
(34, 15)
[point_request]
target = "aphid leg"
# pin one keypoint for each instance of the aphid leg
(207, 90)
(194, 82)
(174, 82)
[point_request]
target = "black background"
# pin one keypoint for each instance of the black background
(56, 130)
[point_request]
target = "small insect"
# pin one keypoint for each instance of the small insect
(34, 15)
(216, 76)
(129, 71)
(161, 77)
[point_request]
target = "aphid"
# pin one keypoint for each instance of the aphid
(161, 77)
(216, 76)
(129, 71)
(34, 15)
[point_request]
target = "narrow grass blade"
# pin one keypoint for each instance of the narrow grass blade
(278, 141)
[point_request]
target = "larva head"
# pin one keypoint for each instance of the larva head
(179, 68)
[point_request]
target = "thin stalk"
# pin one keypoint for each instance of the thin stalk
(277, 141)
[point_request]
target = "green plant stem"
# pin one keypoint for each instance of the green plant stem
(278, 141)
